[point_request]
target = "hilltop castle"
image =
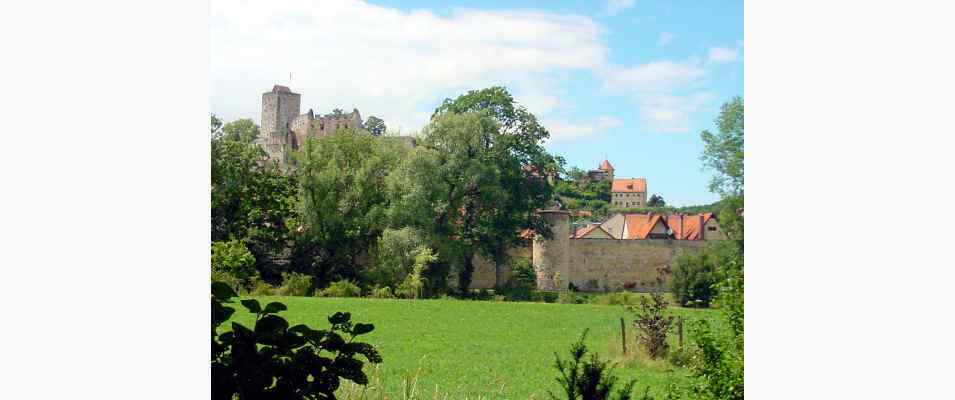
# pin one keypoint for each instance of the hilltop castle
(284, 128)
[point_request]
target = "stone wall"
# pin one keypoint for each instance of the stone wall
(483, 277)
(598, 263)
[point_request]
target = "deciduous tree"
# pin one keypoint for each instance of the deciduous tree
(375, 125)
(723, 151)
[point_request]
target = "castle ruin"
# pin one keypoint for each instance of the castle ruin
(285, 128)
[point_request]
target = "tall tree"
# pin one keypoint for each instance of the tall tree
(243, 130)
(375, 125)
(250, 200)
(516, 149)
(723, 151)
(656, 201)
(343, 201)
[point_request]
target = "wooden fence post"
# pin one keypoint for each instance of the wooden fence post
(679, 323)
(623, 336)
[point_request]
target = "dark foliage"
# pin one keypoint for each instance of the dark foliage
(275, 361)
(693, 280)
(588, 378)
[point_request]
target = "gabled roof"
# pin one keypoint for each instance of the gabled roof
(639, 226)
(634, 185)
(583, 232)
(690, 227)
(605, 166)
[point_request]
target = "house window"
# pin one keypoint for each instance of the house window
(711, 228)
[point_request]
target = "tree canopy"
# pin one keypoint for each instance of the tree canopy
(375, 125)
(723, 151)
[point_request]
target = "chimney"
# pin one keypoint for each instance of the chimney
(681, 228)
(702, 228)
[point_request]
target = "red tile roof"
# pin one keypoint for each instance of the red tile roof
(634, 185)
(640, 225)
(690, 228)
(605, 166)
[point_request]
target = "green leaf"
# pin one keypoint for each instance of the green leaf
(252, 305)
(361, 329)
(222, 291)
(275, 307)
(270, 325)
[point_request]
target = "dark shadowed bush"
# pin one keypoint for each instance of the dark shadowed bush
(693, 280)
(275, 361)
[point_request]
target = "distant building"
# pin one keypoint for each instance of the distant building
(629, 193)
(604, 171)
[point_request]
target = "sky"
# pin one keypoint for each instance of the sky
(632, 81)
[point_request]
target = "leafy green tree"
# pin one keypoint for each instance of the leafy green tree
(656, 201)
(342, 201)
(375, 125)
(512, 149)
(467, 186)
(250, 200)
(575, 173)
(215, 125)
(723, 151)
(242, 130)
(588, 378)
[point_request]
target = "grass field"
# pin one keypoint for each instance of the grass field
(480, 349)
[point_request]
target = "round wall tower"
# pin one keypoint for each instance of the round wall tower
(551, 256)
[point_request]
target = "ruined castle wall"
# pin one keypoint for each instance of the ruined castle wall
(598, 263)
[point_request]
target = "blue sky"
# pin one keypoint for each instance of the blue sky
(633, 80)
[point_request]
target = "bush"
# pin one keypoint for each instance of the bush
(229, 279)
(274, 361)
(342, 288)
(294, 284)
(522, 283)
(259, 287)
(693, 280)
(619, 298)
(652, 326)
(381, 292)
(588, 378)
(235, 259)
(569, 297)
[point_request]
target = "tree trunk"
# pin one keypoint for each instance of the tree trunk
(464, 278)
(498, 276)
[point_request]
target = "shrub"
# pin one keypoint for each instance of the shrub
(235, 259)
(342, 288)
(522, 283)
(273, 361)
(229, 279)
(259, 287)
(652, 326)
(381, 292)
(619, 298)
(294, 284)
(413, 285)
(693, 280)
(588, 378)
(569, 297)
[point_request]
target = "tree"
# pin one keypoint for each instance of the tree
(250, 200)
(215, 125)
(656, 201)
(375, 125)
(511, 150)
(723, 151)
(575, 173)
(338, 112)
(243, 130)
(342, 201)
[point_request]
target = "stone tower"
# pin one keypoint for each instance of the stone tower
(551, 256)
(279, 109)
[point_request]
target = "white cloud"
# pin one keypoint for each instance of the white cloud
(665, 39)
(658, 76)
(671, 114)
(722, 55)
(386, 62)
(614, 7)
(563, 131)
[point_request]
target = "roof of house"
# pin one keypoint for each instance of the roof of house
(605, 166)
(586, 230)
(690, 227)
(634, 185)
(639, 226)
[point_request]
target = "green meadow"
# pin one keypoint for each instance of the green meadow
(481, 349)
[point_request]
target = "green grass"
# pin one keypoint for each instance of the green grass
(481, 349)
